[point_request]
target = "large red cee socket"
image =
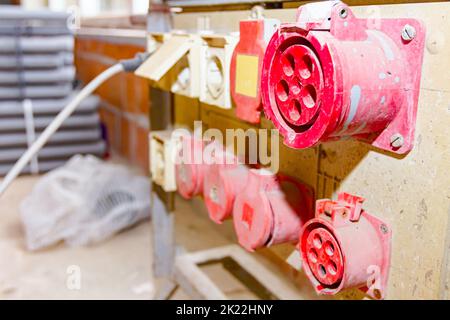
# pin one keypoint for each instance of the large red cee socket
(271, 210)
(246, 64)
(345, 247)
(189, 167)
(331, 76)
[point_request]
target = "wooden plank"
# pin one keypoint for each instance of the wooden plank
(203, 256)
(273, 282)
(163, 235)
(160, 62)
(186, 111)
(193, 281)
(278, 286)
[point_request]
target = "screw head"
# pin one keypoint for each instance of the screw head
(397, 140)
(377, 294)
(343, 13)
(384, 228)
(257, 12)
(408, 32)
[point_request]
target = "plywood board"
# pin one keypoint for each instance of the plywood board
(160, 62)
(411, 193)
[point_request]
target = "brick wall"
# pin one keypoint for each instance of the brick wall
(125, 98)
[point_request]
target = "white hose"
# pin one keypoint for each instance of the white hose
(56, 123)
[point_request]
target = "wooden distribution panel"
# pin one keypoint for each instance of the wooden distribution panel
(411, 193)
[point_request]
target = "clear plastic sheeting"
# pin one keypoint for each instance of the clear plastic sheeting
(84, 202)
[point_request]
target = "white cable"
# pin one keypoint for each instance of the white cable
(56, 123)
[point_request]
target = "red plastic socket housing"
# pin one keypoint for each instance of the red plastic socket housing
(222, 183)
(345, 247)
(272, 210)
(330, 76)
(189, 174)
(246, 64)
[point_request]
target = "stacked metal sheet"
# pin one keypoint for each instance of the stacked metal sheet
(36, 82)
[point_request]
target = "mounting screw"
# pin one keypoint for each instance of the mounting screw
(343, 13)
(408, 32)
(384, 229)
(257, 12)
(377, 294)
(397, 140)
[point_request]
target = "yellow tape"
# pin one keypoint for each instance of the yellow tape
(247, 75)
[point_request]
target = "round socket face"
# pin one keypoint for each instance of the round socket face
(324, 256)
(297, 81)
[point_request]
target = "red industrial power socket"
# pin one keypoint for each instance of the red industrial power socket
(189, 166)
(331, 76)
(345, 247)
(272, 209)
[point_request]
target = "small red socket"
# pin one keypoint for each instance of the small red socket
(272, 210)
(345, 247)
(246, 63)
(189, 167)
(223, 182)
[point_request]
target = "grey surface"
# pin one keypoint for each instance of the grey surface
(48, 106)
(36, 61)
(164, 249)
(196, 3)
(75, 121)
(36, 44)
(36, 91)
(18, 13)
(60, 137)
(30, 30)
(56, 75)
(44, 166)
(55, 152)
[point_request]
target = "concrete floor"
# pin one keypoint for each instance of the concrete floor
(118, 268)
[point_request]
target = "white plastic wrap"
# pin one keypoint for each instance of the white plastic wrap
(83, 202)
